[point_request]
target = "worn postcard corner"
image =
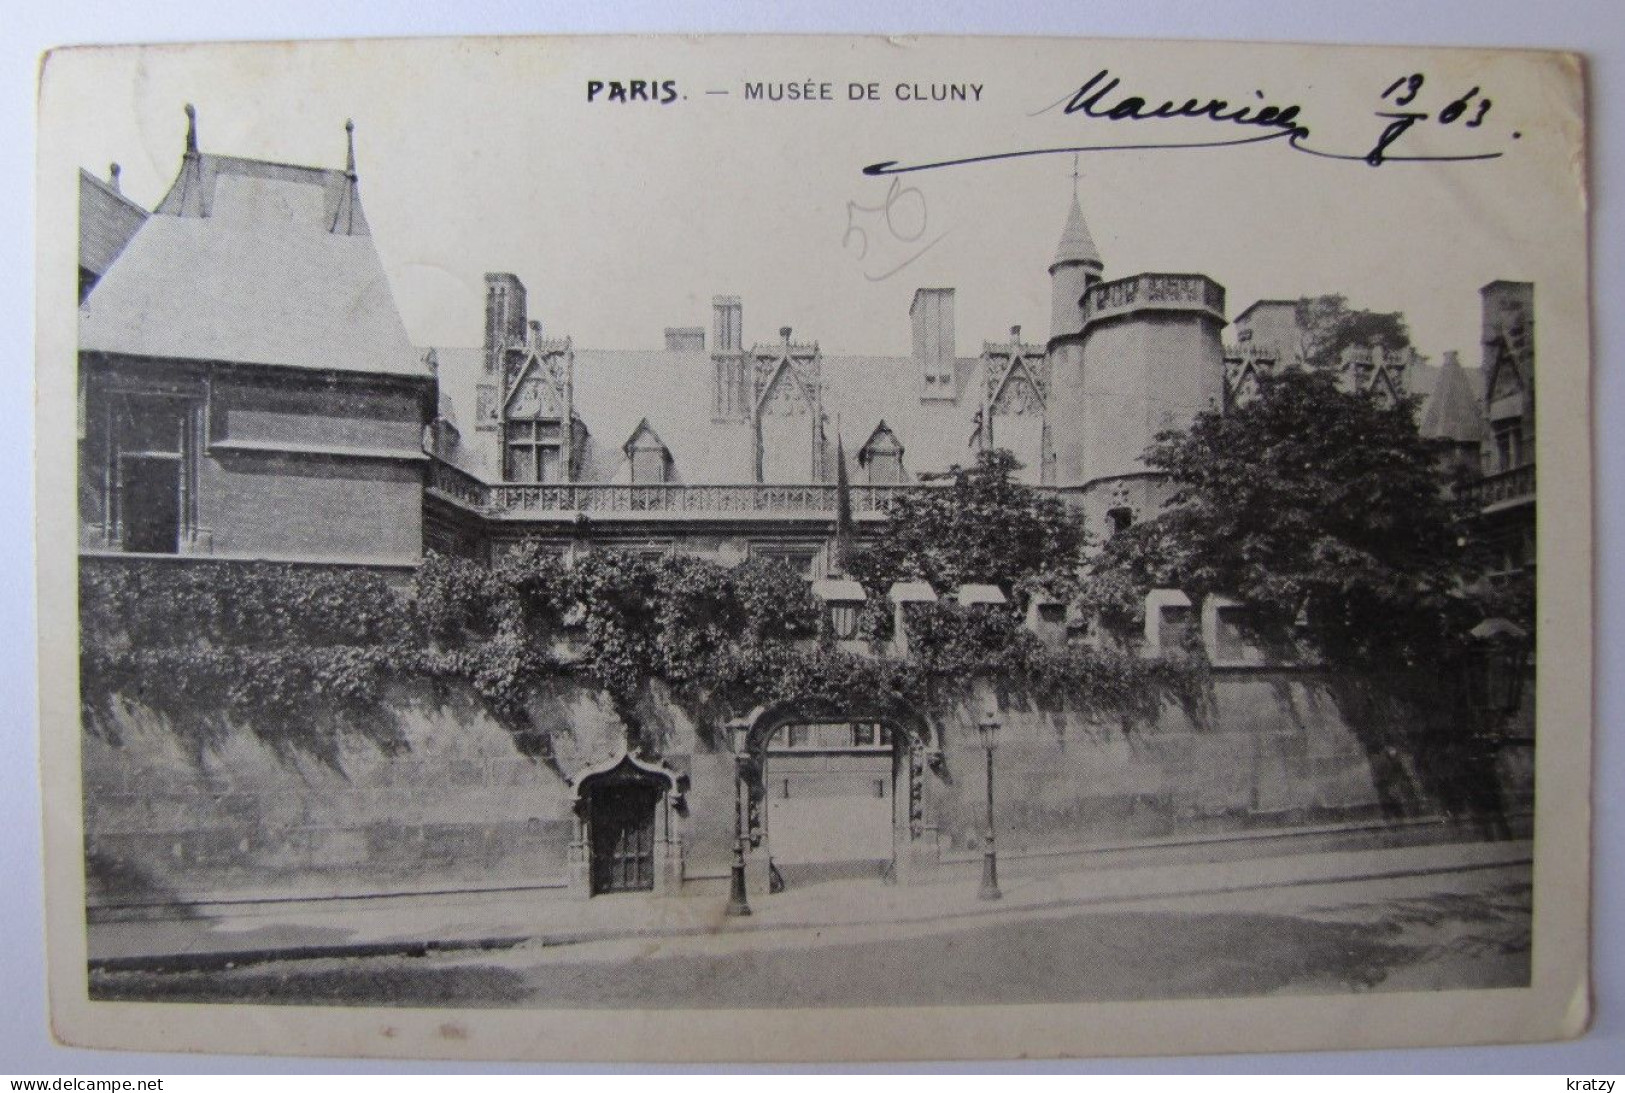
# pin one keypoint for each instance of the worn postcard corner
(707, 549)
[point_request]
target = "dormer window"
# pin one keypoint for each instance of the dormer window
(882, 456)
(648, 457)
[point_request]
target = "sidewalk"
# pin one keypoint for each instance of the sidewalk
(408, 924)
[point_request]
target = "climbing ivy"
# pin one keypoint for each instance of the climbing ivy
(304, 655)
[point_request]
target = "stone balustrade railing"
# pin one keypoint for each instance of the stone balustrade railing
(1179, 291)
(1516, 484)
(519, 500)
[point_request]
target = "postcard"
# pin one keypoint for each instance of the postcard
(836, 549)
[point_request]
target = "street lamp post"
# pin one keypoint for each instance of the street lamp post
(738, 905)
(988, 727)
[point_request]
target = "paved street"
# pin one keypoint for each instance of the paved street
(1452, 929)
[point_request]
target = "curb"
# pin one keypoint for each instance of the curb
(225, 960)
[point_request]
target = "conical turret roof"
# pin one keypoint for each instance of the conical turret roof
(1076, 245)
(1453, 411)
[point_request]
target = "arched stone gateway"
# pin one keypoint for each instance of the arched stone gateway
(769, 742)
(625, 840)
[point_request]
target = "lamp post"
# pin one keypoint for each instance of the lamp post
(988, 728)
(1496, 671)
(738, 905)
(1495, 663)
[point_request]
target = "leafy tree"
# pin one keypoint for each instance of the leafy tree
(1327, 326)
(983, 528)
(1323, 510)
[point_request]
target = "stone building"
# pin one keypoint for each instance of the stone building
(246, 385)
(538, 436)
(1506, 495)
(248, 391)
(1485, 418)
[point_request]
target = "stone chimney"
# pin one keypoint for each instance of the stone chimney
(727, 324)
(685, 339)
(1508, 306)
(932, 316)
(504, 318)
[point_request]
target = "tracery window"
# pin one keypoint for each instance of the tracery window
(533, 451)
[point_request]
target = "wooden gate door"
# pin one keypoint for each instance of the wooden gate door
(623, 838)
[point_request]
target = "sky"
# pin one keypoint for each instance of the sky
(623, 218)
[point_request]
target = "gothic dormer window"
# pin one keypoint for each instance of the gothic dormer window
(882, 457)
(788, 411)
(534, 451)
(538, 441)
(648, 456)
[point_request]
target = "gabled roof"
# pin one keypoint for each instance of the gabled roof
(1076, 245)
(1015, 365)
(881, 436)
(644, 436)
(1506, 363)
(784, 365)
(254, 263)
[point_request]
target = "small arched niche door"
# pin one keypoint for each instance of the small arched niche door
(624, 839)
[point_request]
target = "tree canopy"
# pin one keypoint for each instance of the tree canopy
(1327, 326)
(1324, 510)
(983, 528)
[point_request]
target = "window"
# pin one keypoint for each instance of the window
(882, 455)
(1178, 627)
(152, 472)
(648, 466)
(798, 558)
(1053, 613)
(835, 736)
(533, 451)
(885, 468)
(1120, 519)
(1230, 632)
(1509, 443)
(843, 618)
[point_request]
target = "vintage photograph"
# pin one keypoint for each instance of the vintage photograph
(769, 525)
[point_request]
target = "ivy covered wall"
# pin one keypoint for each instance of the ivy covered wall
(285, 731)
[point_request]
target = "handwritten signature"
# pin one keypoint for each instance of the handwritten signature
(1095, 99)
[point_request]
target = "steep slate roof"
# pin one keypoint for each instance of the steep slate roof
(860, 392)
(459, 370)
(107, 220)
(197, 187)
(1452, 410)
(615, 390)
(1077, 245)
(258, 263)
